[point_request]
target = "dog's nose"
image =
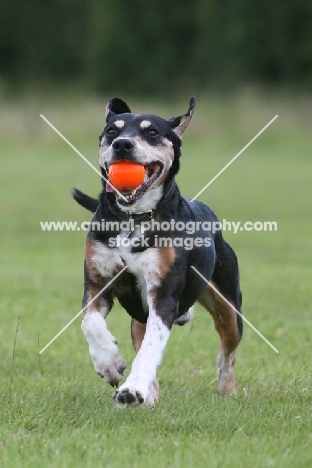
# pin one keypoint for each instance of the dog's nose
(123, 147)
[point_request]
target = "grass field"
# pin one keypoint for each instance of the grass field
(55, 411)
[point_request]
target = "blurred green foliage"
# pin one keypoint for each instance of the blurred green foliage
(156, 46)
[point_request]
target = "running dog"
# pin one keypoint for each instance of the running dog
(159, 285)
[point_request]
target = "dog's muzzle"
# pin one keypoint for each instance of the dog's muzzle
(123, 150)
(152, 172)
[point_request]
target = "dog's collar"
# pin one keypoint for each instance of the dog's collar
(142, 215)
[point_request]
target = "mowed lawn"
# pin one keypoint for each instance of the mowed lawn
(55, 411)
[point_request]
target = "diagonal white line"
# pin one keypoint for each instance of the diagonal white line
(80, 312)
(81, 155)
(231, 305)
(232, 160)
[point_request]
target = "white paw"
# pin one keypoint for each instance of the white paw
(127, 397)
(108, 365)
(131, 395)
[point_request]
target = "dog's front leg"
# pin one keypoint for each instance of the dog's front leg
(101, 265)
(137, 334)
(103, 349)
(143, 373)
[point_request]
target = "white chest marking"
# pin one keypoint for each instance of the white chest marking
(105, 259)
(145, 267)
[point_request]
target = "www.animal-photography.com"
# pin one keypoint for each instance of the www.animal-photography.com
(156, 234)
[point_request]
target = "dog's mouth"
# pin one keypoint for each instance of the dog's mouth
(152, 172)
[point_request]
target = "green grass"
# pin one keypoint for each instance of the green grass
(56, 412)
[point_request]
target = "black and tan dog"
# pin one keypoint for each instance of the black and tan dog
(159, 286)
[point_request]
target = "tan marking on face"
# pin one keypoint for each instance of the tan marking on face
(104, 152)
(148, 153)
(145, 154)
(145, 124)
(119, 124)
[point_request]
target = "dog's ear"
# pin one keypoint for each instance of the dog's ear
(179, 124)
(116, 106)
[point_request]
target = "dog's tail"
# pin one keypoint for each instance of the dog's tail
(84, 200)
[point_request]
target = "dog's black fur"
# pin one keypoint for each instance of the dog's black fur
(156, 143)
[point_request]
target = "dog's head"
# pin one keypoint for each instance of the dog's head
(144, 139)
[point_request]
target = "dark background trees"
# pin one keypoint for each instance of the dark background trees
(156, 46)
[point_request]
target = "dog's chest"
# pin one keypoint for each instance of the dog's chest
(143, 265)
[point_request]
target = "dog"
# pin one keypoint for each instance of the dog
(159, 285)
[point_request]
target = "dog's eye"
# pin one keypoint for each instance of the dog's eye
(152, 132)
(112, 131)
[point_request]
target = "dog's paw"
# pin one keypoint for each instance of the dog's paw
(128, 397)
(112, 373)
(103, 349)
(153, 394)
(227, 382)
(108, 363)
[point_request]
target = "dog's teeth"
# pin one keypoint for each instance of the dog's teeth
(133, 193)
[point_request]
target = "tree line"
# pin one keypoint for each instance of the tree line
(156, 46)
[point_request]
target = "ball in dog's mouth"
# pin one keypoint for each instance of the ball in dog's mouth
(152, 172)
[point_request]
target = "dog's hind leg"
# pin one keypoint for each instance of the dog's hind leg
(225, 323)
(228, 323)
(137, 334)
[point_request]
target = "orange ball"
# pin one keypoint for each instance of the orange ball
(126, 175)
